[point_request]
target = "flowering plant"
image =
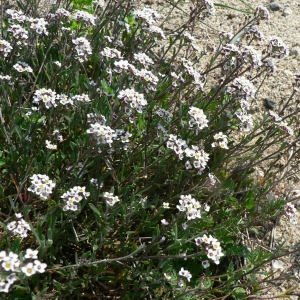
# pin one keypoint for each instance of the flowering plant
(134, 167)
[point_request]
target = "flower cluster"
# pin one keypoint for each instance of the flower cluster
(19, 33)
(220, 141)
(147, 14)
(82, 98)
(269, 65)
(249, 54)
(226, 36)
(6, 78)
(60, 13)
(111, 53)
(110, 199)
(73, 197)
(48, 97)
(22, 67)
(277, 48)
(290, 211)
(211, 183)
(242, 88)
(64, 99)
(198, 77)
(262, 13)
(209, 5)
(185, 274)
(177, 144)
(164, 114)
(19, 227)
(198, 118)
(230, 50)
(85, 17)
(190, 206)
(123, 137)
(5, 47)
(144, 59)
(38, 25)
(198, 156)
(255, 34)
(211, 246)
(144, 74)
(99, 3)
(199, 159)
(103, 134)
(12, 264)
(16, 15)
(83, 48)
(134, 99)
(41, 185)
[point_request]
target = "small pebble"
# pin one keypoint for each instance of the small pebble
(269, 103)
(287, 11)
(295, 51)
(274, 6)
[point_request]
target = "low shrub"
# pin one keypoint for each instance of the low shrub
(126, 164)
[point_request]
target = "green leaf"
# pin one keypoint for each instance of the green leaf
(239, 293)
(232, 8)
(250, 200)
(95, 209)
(35, 234)
(156, 233)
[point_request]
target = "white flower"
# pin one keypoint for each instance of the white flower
(143, 59)
(2, 255)
(134, 99)
(167, 276)
(198, 118)
(46, 96)
(185, 274)
(11, 278)
(7, 264)
(4, 287)
(184, 226)
(82, 98)
(220, 141)
(31, 253)
(111, 53)
(164, 222)
(110, 199)
(206, 207)
(39, 267)
(83, 47)
(73, 197)
(5, 47)
(28, 269)
(166, 205)
(84, 16)
(39, 25)
(103, 134)
(16, 16)
(50, 146)
(205, 264)
(277, 48)
(58, 63)
(41, 185)
(22, 67)
(20, 34)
